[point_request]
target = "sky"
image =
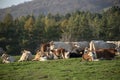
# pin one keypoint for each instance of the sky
(8, 3)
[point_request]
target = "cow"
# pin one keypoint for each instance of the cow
(99, 49)
(60, 53)
(7, 58)
(42, 56)
(37, 56)
(26, 55)
(107, 54)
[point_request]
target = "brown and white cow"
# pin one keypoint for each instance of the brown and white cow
(7, 58)
(41, 56)
(99, 49)
(60, 53)
(26, 56)
(101, 54)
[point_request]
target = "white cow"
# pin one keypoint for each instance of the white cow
(7, 58)
(26, 55)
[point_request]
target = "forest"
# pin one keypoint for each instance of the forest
(28, 32)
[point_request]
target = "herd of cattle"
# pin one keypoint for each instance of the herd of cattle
(89, 51)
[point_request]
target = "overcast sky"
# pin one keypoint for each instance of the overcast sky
(8, 3)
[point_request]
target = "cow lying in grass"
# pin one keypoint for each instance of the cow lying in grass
(40, 56)
(53, 54)
(60, 53)
(7, 58)
(26, 56)
(101, 54)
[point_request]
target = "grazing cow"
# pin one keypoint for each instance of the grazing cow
(7, 58)
(26, 55)
(60, 53)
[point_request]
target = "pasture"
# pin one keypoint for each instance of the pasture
(63, 69)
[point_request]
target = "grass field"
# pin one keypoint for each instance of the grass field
(69, 69)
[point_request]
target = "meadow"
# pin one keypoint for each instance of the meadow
(63, 69)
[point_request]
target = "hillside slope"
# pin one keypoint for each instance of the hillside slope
(58, 6)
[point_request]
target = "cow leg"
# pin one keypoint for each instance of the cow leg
(63, 55)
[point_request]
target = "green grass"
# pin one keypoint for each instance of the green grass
(69, 69)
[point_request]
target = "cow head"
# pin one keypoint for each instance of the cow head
(52, 46)
(118, 51)
(4, 56)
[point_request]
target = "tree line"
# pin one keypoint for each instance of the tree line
(28, 32)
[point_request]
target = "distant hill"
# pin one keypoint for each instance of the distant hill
(57, 6)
